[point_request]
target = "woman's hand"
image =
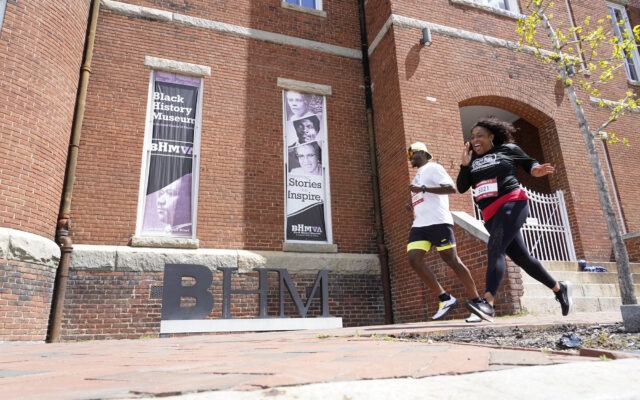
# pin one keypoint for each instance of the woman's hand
(542, 170)
(466, 154)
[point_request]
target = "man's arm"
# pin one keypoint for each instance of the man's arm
(443, 189)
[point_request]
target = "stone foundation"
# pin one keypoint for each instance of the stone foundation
(27, 273)
(115, 292)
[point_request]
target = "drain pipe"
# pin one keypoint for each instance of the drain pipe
(64, 217)
(373, 157)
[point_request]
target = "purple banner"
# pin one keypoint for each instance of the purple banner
(168, 202)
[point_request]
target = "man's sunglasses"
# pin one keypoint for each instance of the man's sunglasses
(410, 153)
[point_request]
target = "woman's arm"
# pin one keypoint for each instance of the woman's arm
(463, 181)
(542, 170)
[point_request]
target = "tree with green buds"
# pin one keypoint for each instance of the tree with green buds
(587, 57)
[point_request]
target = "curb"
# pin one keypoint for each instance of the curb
(611, 354)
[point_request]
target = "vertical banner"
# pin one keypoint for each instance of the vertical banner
(306, 188)
(168, 203)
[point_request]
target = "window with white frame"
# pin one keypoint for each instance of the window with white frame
(622, 29)
(509, 5)
(169, 178)
(314, 4)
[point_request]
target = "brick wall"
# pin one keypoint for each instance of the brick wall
(241, 198)
(339, 27)
(633, 248)
(38, 80)
(41, 46)
(25, 301)
(420, 98)
(127, 305)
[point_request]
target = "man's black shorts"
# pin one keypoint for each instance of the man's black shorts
(423, 237)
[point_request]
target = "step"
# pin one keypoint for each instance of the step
(590, 291)
(573, 266)
(579, 289)
(583, 277)
(548, 305)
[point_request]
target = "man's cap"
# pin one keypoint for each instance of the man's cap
(419, 146)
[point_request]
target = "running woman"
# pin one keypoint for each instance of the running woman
(489, 164)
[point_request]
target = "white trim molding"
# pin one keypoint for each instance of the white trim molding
(406, 22)
(487, 8)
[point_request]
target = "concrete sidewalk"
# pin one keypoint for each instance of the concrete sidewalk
(347, 363)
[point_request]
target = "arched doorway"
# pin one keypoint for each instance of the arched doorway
(547, 231)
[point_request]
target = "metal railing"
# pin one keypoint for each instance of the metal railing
(547, 232)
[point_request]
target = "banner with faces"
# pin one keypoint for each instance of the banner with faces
(305, 166)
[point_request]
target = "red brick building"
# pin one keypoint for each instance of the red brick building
(105, 96)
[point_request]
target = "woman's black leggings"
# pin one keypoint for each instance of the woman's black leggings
(505, 238)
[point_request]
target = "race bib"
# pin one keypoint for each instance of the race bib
(486, 188)
(417, 198)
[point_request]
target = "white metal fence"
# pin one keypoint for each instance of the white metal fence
(547, 232)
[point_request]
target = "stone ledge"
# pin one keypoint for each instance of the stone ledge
(139, 259)
(164, 242)
(177, 66)
(302, 86)
(310, 247)
(27, 247)
(471, 225)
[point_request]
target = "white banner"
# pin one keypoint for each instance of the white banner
(306, 187)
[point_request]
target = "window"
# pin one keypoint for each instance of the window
(169, 179)
(509, 5)
(307, 194)
(508, 8)
(3, 6)
(632, 59)
(315, 4)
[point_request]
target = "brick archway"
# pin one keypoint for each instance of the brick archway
(536, 113)
(516, 98)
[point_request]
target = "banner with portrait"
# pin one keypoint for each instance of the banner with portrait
(306, 166)
(168, 202)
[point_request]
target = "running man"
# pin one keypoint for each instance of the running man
(433, 226)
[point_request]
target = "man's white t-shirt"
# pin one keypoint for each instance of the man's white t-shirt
(431, 208)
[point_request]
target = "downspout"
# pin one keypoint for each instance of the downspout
(373, 157)
(64, 217)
